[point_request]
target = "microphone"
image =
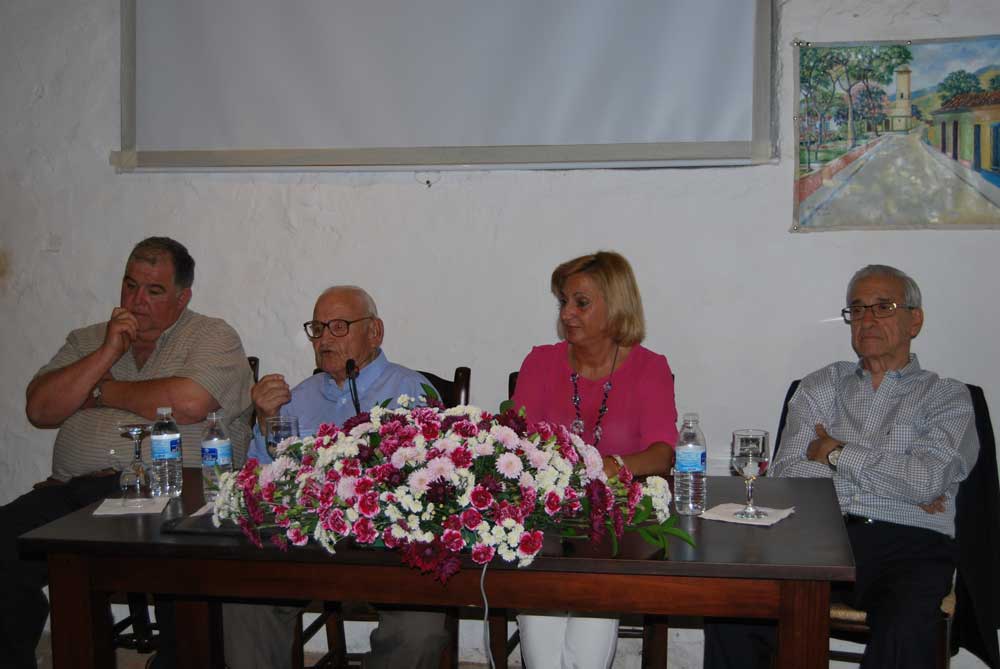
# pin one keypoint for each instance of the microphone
(352, 375)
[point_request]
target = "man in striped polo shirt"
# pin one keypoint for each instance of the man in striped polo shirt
(152, 352)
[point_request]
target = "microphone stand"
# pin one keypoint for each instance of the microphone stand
(352, 375)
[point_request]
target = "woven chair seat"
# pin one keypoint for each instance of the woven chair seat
(844, 613)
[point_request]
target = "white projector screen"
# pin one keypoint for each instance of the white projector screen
(397, 84)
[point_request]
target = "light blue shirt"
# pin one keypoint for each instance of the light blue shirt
(318, 399)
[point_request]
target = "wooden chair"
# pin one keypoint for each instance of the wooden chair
(972, 608)
(334, 614)
(653, 630)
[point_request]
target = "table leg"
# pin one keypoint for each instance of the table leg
(498, 637)
(81, 618)
(199, 633)
(804, 625)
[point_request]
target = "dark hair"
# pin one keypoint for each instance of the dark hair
(149, 250)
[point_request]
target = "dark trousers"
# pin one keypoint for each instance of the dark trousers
(23, 606)
(902, 575)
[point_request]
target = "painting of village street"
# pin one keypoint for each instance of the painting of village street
(902, 136)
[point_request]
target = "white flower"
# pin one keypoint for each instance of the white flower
(506, 553)
(404, 401)
(659, 494)
(352, 514)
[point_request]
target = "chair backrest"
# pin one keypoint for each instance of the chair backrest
(511, 384)
(254, 367)
(784, 416)
(453, 393)
(977, 531)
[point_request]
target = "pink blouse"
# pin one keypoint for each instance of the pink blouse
(641, 408)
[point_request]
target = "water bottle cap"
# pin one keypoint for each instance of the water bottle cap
(164, 410)
(214, 415)
(691, 418)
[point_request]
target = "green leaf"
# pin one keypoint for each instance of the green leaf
(385, 403)
(505, 406)
(429, 392)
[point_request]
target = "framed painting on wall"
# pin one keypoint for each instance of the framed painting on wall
(898, 135)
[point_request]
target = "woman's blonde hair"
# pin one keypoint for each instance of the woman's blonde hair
(613, 276)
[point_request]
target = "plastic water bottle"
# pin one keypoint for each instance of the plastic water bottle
(689, 469)
(167, 475)
(216, 455)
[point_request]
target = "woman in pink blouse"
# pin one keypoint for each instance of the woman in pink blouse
(614, 393)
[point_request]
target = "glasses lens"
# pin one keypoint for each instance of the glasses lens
(884, 309)
(339, 327)
(314, 329)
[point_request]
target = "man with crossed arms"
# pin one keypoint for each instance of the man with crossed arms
(897, 440)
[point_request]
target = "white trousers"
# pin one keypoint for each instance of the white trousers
(567, 641)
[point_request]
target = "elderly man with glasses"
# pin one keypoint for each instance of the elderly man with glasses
(897, 440)
(345, 327)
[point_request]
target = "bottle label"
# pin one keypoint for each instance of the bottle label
(689, 460)
(216, 453)
(166, 446)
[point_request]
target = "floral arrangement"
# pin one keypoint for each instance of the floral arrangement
(433, 482)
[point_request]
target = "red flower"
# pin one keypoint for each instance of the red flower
(430, 430)
(297, 536)
(553, 503)
(453, 522)
(481, 553)
(327, 430)
(336, 523)
(351, 467)
(267, 492)
(453, 541)
(461, 457)
(368, 504)
(465, 428)
(481, 498)
(280, 541)
(363, 485)
(530, 543)
(471, 519)
(365, 531)
(389, 540)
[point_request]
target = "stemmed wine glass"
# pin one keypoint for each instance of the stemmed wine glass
(134, 477)
(750, 455)
(277, 429)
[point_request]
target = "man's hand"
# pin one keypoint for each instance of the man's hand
(121, 332)
(934, 506)
(269, 395)
(821, 446)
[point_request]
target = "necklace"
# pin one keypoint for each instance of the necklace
(577, 426)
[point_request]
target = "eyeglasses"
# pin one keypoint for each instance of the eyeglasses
(338, 327)
(879, 310)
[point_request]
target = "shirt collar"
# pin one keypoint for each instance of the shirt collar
(911, 368)
(366, 377)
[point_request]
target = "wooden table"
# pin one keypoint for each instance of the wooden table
(783, 572)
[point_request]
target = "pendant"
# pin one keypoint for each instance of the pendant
(597, 434)
(577, 426)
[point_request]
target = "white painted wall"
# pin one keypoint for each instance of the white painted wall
(460, 270)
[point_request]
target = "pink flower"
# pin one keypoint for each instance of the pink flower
(481, 553)
(505, 436)
(345, 488)
(509, 465)
(419, 481)
(368, 504)
(453, 541)
(471, 519)
(530, 543)
(351, 467)
(364, 531)
(553, 503)
(481, 498)
(440, 468)
(297, 536)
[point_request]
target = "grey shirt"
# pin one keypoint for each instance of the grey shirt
(908, 443)
(206, 350)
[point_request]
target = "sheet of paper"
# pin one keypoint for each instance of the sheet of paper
(114, 506)
(727, 513)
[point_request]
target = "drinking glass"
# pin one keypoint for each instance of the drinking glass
(133, 477)
(750, 455)
(277, 429)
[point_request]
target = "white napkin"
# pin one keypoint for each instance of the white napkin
(727, 513)
(114, 506)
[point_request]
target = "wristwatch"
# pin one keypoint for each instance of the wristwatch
(833, 456)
